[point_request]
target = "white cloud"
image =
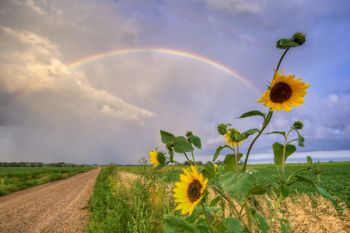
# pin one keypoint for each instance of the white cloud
(38, 67)
(235, 6)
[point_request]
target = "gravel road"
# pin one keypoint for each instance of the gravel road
(60, 206)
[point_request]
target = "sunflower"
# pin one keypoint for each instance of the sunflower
(156, 158)
(284, 93)
(230, 134)
(189, 191)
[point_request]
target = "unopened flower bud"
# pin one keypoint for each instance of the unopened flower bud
(298, 125)
(189, 134)
(161, 157)
(299, 38)
(222, 129)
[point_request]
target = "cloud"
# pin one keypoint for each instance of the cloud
(235, 6)
(38, 67)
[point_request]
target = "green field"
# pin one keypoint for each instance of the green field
(335, 176)
(17, 178)
(140, 205)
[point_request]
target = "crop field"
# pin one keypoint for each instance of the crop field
(335, 177)
(17, 178)
(135, 199)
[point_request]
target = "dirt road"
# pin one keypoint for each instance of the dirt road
(59, 206)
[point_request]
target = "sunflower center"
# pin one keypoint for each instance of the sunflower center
(280, 92)
(194, 190)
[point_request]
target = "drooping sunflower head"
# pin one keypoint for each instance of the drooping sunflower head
(157, 158)
(189, 191)
(284, 93)
(232, 137)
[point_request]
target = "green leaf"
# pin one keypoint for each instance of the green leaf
(301, 140)
(230, 161)
(209, 170)
(278, 152)
(321, 190)
(166, 137)
(241, 185)
(285, 43)
(252, 113)
(215, 201)
(182, 145)
(218, 150)
(247, 133)
(232, 225)
(196, 141)
(173, 224)
(285, 228)
(261, 222)
(278, 132)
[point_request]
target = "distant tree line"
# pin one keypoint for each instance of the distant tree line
(41, 164)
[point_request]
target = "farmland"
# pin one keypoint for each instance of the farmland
(134, 199)
(17, 178)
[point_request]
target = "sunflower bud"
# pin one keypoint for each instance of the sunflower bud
(189, 134)
(299, 38)
(161, 157)
(222, 129)
(234, 135)
(298, 125)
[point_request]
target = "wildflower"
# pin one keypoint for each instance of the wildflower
(156, 158)
(232, 137)
(189, 191)
(284, 93)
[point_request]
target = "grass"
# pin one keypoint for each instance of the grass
(120, 208)
(124, 205)
(17, 178)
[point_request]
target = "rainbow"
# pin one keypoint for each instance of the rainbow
(196, 57)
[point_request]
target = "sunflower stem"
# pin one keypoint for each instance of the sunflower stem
(266, 122)
(282, 57)
(269, 115)
(206, 218)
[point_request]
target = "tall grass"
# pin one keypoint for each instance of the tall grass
(122, 207)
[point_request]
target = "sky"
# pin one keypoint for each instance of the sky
(177, 65)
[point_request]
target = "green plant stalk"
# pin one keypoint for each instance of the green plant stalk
(229, 201)
(284, 150)
(266, 122)
(206, 218)
(249, 218)
(268, 117)
(274, 216)
(280, 61)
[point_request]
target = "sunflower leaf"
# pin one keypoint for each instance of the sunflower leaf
(247, 133)
(196, 141)
(285, 43)
(277, 132)
(209, 170)
(230, 161)
(252, 113)
(232, 225)
(182, 145)
(166, 137)
(174, 224)
(278, 152)
(218, 150)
